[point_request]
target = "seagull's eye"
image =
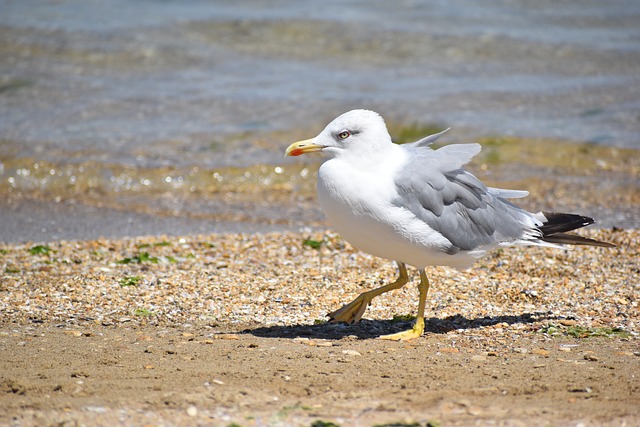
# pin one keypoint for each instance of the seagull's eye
(344, 134)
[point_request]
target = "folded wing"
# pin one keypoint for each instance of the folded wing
(471, 216)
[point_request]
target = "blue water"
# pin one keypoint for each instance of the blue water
(149, 82)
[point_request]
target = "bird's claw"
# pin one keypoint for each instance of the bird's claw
(349, 313)
(415, 332)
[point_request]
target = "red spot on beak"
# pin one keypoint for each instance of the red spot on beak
(296, 152)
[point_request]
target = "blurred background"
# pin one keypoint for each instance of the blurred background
(122, 118)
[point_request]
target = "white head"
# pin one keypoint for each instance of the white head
(356, 132)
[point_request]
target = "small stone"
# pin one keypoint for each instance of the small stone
(351, 353)
(568, 322)
(540, 352)
(320, 344)
(73, 333)
(590, 357)
(580, 390)
(226, 337)
(192, 411)
(478, 358)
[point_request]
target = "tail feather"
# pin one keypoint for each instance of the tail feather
(574, 239)
(557, 224)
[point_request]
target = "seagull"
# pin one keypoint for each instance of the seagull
(418, 206)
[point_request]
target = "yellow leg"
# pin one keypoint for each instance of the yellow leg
(418, 327)
(353, 311)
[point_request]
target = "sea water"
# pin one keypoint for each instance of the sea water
(101, 96)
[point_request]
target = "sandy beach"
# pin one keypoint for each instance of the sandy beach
(231, 330)
(162, 264)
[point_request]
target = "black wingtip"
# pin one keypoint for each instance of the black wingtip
(557, 224)
(562, 222)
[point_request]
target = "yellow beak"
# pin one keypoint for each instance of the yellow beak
(302, 147)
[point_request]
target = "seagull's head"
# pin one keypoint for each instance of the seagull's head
(357, 131)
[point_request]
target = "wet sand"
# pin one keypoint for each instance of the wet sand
(41, 221)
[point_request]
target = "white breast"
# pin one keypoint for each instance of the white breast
(358, 204)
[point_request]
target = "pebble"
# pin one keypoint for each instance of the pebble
(192, 411)
(226, 337)
(351, 352)
(567, 322)
(96, 409)
(540, 352)
(320, 344)
(272, 279)
(581, 390)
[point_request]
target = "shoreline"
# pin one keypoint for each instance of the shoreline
(39, 221)
(84, 201)
(47, 221)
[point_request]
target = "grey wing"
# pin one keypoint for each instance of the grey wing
(435, 188)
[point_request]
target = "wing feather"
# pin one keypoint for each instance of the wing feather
(428, 140)
(435, 188)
